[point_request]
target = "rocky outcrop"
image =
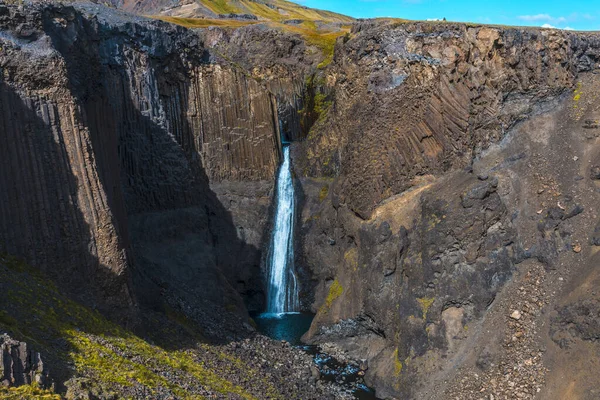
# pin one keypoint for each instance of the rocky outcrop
(19, 365)
(428, 181)
(115, 126)
(415, 98)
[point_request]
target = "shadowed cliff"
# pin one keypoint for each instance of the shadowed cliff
(127, 139)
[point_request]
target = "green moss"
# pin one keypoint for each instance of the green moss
(578, 92)
(351, 258)
(335, 291)
(425, 303)
(6, 319)
(323, 193)
(316, 103)
(31, 392)
(98, 349)
(397, 364)
(231, 307)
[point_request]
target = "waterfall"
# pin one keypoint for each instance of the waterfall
(283, 285)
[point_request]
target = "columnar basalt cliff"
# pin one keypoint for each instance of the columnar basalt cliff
(413, 225)
(115, 128)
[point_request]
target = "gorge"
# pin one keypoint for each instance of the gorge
(419, 199)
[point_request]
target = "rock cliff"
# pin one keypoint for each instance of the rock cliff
(115, 128)
(449, 160)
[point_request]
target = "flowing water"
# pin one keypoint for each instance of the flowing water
(283, 285)
(282, 319)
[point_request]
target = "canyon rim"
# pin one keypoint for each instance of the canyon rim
(422, 195)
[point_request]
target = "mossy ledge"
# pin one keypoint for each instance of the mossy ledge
(109, 358)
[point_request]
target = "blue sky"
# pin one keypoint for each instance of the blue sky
(570, 14)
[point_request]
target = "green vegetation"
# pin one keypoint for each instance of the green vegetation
(425, 303)
(204, 23)
(111, 357)
(351, 258)
(31, 392)
(323, 40)
(322, 195)
(335, 291)
(220, 6)
(316, 103)
(578, 92)
(397, 364)
(274, 13)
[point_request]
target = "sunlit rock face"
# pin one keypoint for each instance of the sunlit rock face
(427, 185)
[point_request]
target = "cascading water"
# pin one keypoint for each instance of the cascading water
(283, 285)
(282, 321)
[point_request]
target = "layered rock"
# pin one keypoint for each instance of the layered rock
(115, 128)
(411, 98)
(19, 365)
(420, 184)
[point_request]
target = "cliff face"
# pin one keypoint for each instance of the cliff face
(410, 99)
(431, 179)
(115, 127)
(449, 185)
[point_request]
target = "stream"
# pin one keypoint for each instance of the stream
(290, 327)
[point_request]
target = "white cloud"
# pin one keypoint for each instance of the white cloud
(566, 28)
(537, 17)
(542, 17)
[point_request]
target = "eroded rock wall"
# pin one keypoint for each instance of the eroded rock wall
(408, 244)
(409, 99)
(116, 126)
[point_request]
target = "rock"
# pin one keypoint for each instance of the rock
(595, 238)
(516, 315)
(595, 172)
(478, 192)
(20, 365)
(364, 364)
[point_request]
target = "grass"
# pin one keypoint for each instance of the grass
(323, 40)
(275, 17)
(204, 23)
(31, 392)
(112, 357)
(220, 6)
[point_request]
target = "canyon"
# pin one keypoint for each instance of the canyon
(442, 202)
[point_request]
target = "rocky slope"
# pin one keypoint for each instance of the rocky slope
(452, 160)
(89, 357)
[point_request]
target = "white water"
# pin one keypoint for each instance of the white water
(283, 285)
